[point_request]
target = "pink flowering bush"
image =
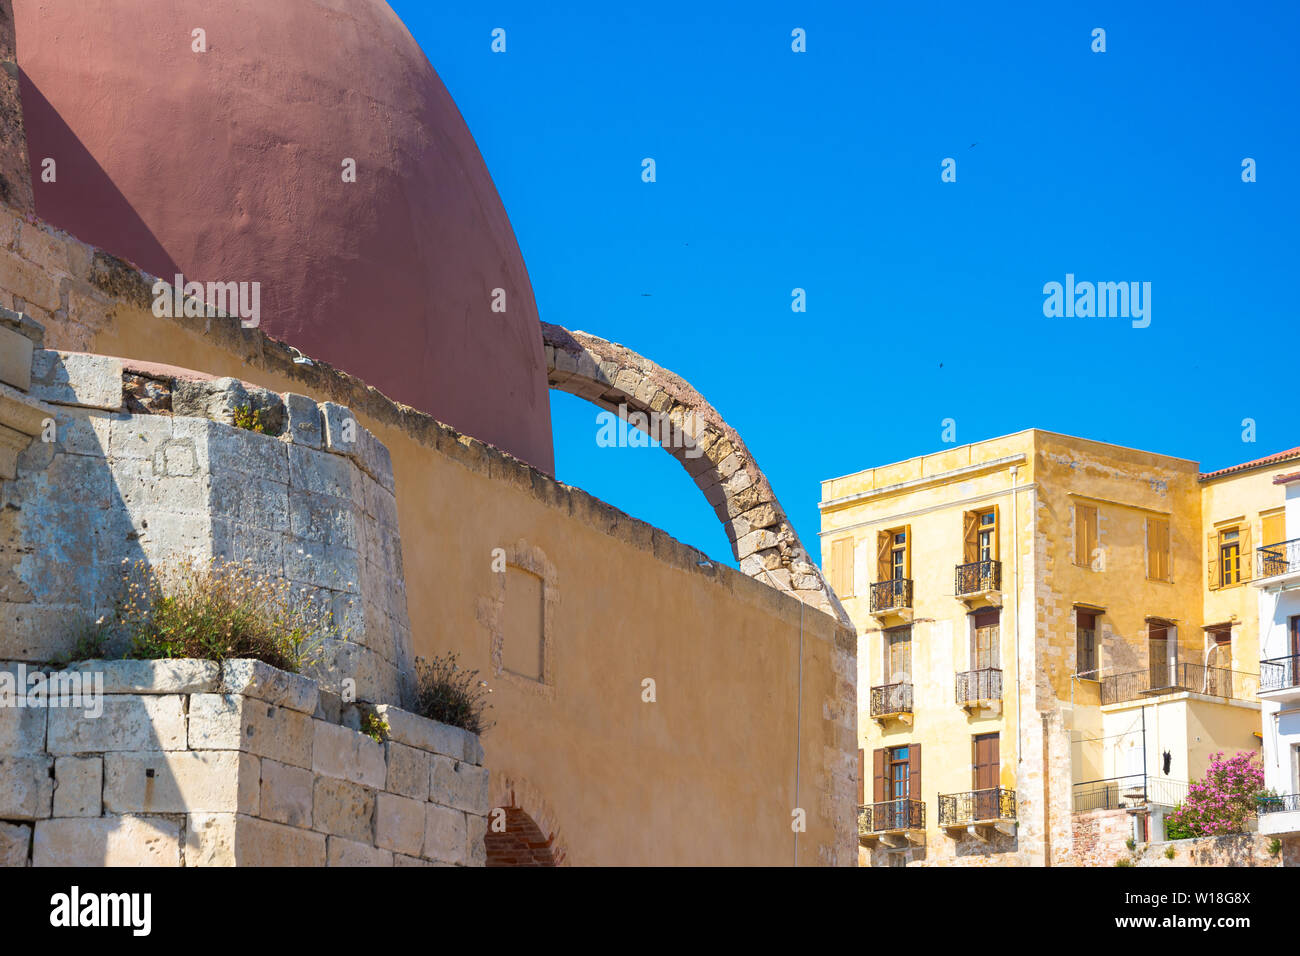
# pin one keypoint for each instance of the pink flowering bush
(1223, 801)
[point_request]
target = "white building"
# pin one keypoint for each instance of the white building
(1278, 580)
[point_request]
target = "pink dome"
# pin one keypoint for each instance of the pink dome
(227, 166)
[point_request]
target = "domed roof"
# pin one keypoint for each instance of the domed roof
(227, 166)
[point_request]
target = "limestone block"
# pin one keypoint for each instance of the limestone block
(78, 786)
(253, 678)
(15, 844)
(341, 428)
(137, 436)
(321, 565)
(305, 425)
(375, 460)
(476, 839)
(343, 809)
(108, 841)
(223, 839)
(210, 839)
(241, 452)
(348, 755)
(67, 378)
(430, 735)
(249, 499)
(181, 782)
(399, 860)
(22, 729)
(319, 472)
(183, 676)
(218, 400)
(455, 783)
(239, 542)
(351, 853)
(287, 794)
(23, 323)
(128, 722)
(408, 771)
(445, 834)
(26, 787)
(231, 722)
(374, 679)
(15, 358)
(323, 518)
(399, 824)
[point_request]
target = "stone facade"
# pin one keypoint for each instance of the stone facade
(194, 763)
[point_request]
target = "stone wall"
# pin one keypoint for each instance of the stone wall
(137, 464)
(192, 763)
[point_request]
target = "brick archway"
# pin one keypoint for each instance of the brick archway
(691, 430)
(522, 843)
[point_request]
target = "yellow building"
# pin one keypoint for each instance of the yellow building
(1047, 627)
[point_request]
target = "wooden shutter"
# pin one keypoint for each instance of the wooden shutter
(1274, 529)
(997, 533)
(907, 551)
(884, 540)
(1247, 555)
(842, 567)
(862, 779)
(1158, 549)
(986, 761)
(878, 771)
(914, 772)
(1080, 535)
(970, 530)
(1212, 564)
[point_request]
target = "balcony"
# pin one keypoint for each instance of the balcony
(1279, 679)
(978, 811)
(891, 820)
(979, 583)
(1130, 792)
(891, 702)
(1177, 677)
(980, 690)
(1277, 560)
(892, 600)
(1279, 814)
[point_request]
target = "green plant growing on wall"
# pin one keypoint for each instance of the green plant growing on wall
(250, 418)
(218, 610)
(451, 694)
(374, 727)
(1124, 861)
(1169, 853)
(90, 643)
(1131, 844)
(1274, 846)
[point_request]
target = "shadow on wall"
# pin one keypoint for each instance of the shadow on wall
(81, 190)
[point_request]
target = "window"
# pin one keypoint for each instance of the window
(898, 655)
(1230, 556)
(984, 640)
(899, 777)
(1162, 651)
(1085, 534)
(1159, 554)
(896, 776)
(980, 535)
(894, 554)
(842, 567)
(522, 646)
(1085, 629)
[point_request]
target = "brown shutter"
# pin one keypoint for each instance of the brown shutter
(914, 772)
(1212, 565)
(997, 534)
(907, 551)
(1247, 556)
(862, 776)
(878, 769)
(995, 760)
(883, 571)
(970, 523)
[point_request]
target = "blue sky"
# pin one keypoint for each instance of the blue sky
(821, 170)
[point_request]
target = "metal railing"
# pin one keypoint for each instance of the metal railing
(1280, 558)
(1133, 790)
(1179, 676)
(889, 595)
(902, 814)
(984, 684)
(891, 699)
(979, 576)
(1279, 673)
(1274, 803)
(976, 806)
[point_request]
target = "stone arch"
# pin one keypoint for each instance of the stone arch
(531, 837)
(691, 430)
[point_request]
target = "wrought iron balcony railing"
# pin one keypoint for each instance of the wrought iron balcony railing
(1279, 673)
(1134, 790)
(979, 576)
(1179, 676)
(891, 595)
(976, 806)
(891, 699)
(1273, 803)
(902, 814)
(984, 684)
(1280, 558)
